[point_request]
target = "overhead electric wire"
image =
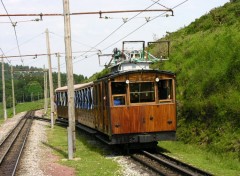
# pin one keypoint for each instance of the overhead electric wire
(24, 21)
(143, 25)
(111, 34)
(75, 41)
(37, 55)
(133, 31)
(25, 42)
(123, 18)
(116, 30)
(161, 4)
(121, 26)
(4, 55)
(83, 13)
(14, 27)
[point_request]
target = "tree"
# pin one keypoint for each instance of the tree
(34, 89)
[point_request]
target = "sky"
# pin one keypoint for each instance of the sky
(90, 34)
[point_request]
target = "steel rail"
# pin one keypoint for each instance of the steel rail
(193, 168)
(148, 165)
(14, 147)
(176, 165)
(23, 145)
(10, 138)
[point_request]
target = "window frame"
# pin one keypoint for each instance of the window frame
(141, 82)
(119, 95)
(167, 100)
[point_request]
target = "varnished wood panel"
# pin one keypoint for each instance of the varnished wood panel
(83, 116)
(148, 118)
(135, 77)
(62, 111)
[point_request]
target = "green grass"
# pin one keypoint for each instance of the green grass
(1, 120)
(91, 155)
(205, 58)
(21, 107)
(216, 164)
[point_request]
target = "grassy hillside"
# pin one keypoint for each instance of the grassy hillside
(206, 58)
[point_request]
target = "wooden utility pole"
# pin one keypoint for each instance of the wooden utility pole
(45, 91)
(4, 95)
(13, 93)
(69, 68)
(59, 72)
(50, 79)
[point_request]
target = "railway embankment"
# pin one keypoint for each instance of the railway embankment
(205, 58)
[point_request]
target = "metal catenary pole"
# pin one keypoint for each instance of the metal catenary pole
(4, 95)
(50, 79)
(13, 93)
(69, 68)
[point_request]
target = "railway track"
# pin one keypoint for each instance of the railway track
(165, 165)
(12, 147)
(161, 164)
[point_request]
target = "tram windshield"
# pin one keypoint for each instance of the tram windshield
(142, 92)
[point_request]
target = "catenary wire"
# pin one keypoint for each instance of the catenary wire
(120, 27)
(14, 27)
(131, 32)
(143, 25)
(4, 55)
(110, 35)
(25, 42)
(74, 41)
(23, 21)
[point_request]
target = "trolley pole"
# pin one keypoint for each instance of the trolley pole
(50, 79)
(13, 94)
(69, 68)
(59, 73)
(4, 95)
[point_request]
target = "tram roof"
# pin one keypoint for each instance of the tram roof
(119, 73)
(76, 87)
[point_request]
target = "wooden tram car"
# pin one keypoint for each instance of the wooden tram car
(127, 106)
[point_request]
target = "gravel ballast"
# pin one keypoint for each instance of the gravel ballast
(38, 158)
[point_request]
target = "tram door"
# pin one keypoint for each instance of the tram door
(101, 103)
(105, 104)
(98, 106)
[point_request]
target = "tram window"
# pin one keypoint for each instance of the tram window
(77, 99)
(74, 99)
(60, 99)
(66, 99)
(63, 98)
(118, 100)
(118, 88)
(165, 89)
(63, 102)
(142, 92)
